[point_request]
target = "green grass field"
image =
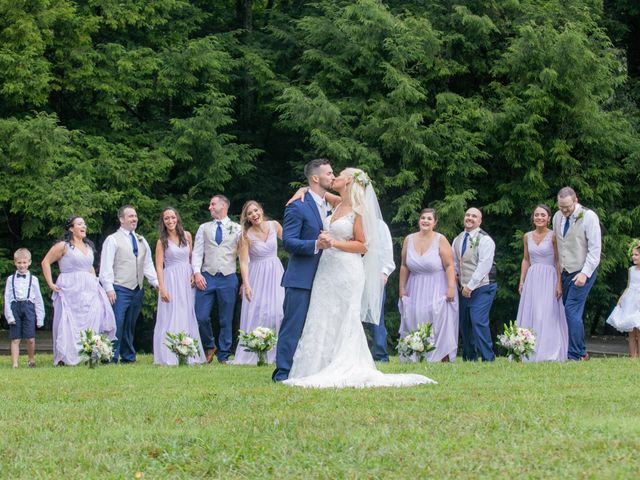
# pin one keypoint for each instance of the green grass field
(500, 420)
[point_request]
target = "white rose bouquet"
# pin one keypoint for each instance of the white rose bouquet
(518, 341)
(182, 345)
(419, 342)
(260, 340)
(94, 348)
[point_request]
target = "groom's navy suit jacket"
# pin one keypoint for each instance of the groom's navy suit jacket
(301, 226)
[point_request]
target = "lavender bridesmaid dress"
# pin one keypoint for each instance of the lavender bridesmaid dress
(178, 314)
(265, 307)
(426, 301)
(80, 304)
(539, 308)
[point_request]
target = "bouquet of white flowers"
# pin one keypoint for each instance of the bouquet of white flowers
(182, 345)
(260, 340)
(419, 342)
(94, 348)
(518, 341)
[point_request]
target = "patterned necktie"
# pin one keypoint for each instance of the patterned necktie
(219, 232)
(134, 244)
(464, 244)
(566, 226)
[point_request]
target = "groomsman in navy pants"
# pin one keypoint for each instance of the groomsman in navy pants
(579, 242)
(302, 239)
(124, 263)
(473, 255)
(213, 260)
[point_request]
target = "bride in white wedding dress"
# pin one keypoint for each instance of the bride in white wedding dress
(333, 351)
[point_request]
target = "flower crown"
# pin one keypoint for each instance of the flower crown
(362, 178)
(635, 243)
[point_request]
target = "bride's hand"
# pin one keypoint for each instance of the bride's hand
(299, 195)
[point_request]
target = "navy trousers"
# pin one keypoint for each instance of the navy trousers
(379, 336)
(574, 299)
(296, 305)
(474, 323)
(126, 310)
(24, 313)
(222, 289)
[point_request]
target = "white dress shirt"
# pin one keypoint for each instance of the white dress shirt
(197, 254)
(591, 225)
(322, 205)
(386, 252)
(108, 255)
(21, 286)
(486, 251)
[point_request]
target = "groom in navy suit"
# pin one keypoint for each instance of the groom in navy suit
(303, 240)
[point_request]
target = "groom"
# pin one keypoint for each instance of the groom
(303, 240)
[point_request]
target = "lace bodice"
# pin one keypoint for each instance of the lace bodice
(342, 228)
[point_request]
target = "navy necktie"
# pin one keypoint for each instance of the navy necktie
(219, 232)
(464, 244)
(134, 244)
(21, 275)
(566, 226)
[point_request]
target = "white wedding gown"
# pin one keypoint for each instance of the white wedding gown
(333, 351)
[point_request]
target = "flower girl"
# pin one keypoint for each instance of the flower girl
(626, 315)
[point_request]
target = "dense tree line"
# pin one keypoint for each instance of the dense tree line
(447, 103)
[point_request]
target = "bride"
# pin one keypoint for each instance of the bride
(347, 288)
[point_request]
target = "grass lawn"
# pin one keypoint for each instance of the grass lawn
(499, 420)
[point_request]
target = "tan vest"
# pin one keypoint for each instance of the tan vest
(220, 258)
(469, 262)
(572, 249)
(128, 270)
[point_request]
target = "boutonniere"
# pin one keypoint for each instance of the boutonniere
(475, 242)
(233, 228)
(580, 215)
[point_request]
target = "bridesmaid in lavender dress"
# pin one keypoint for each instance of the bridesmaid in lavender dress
(79, 302)
(176, 296)
(428, 288)
(541, 291)
(261, 270)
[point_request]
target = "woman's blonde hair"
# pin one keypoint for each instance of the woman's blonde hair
(244, 220)
(357, 188)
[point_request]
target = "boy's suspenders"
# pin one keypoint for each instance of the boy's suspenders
(13, 287)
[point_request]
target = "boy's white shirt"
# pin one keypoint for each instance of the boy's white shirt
(35, 297)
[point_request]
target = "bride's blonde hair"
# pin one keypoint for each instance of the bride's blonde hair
(357, 188)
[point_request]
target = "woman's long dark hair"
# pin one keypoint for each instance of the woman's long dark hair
(68, 236)
(164, 234)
